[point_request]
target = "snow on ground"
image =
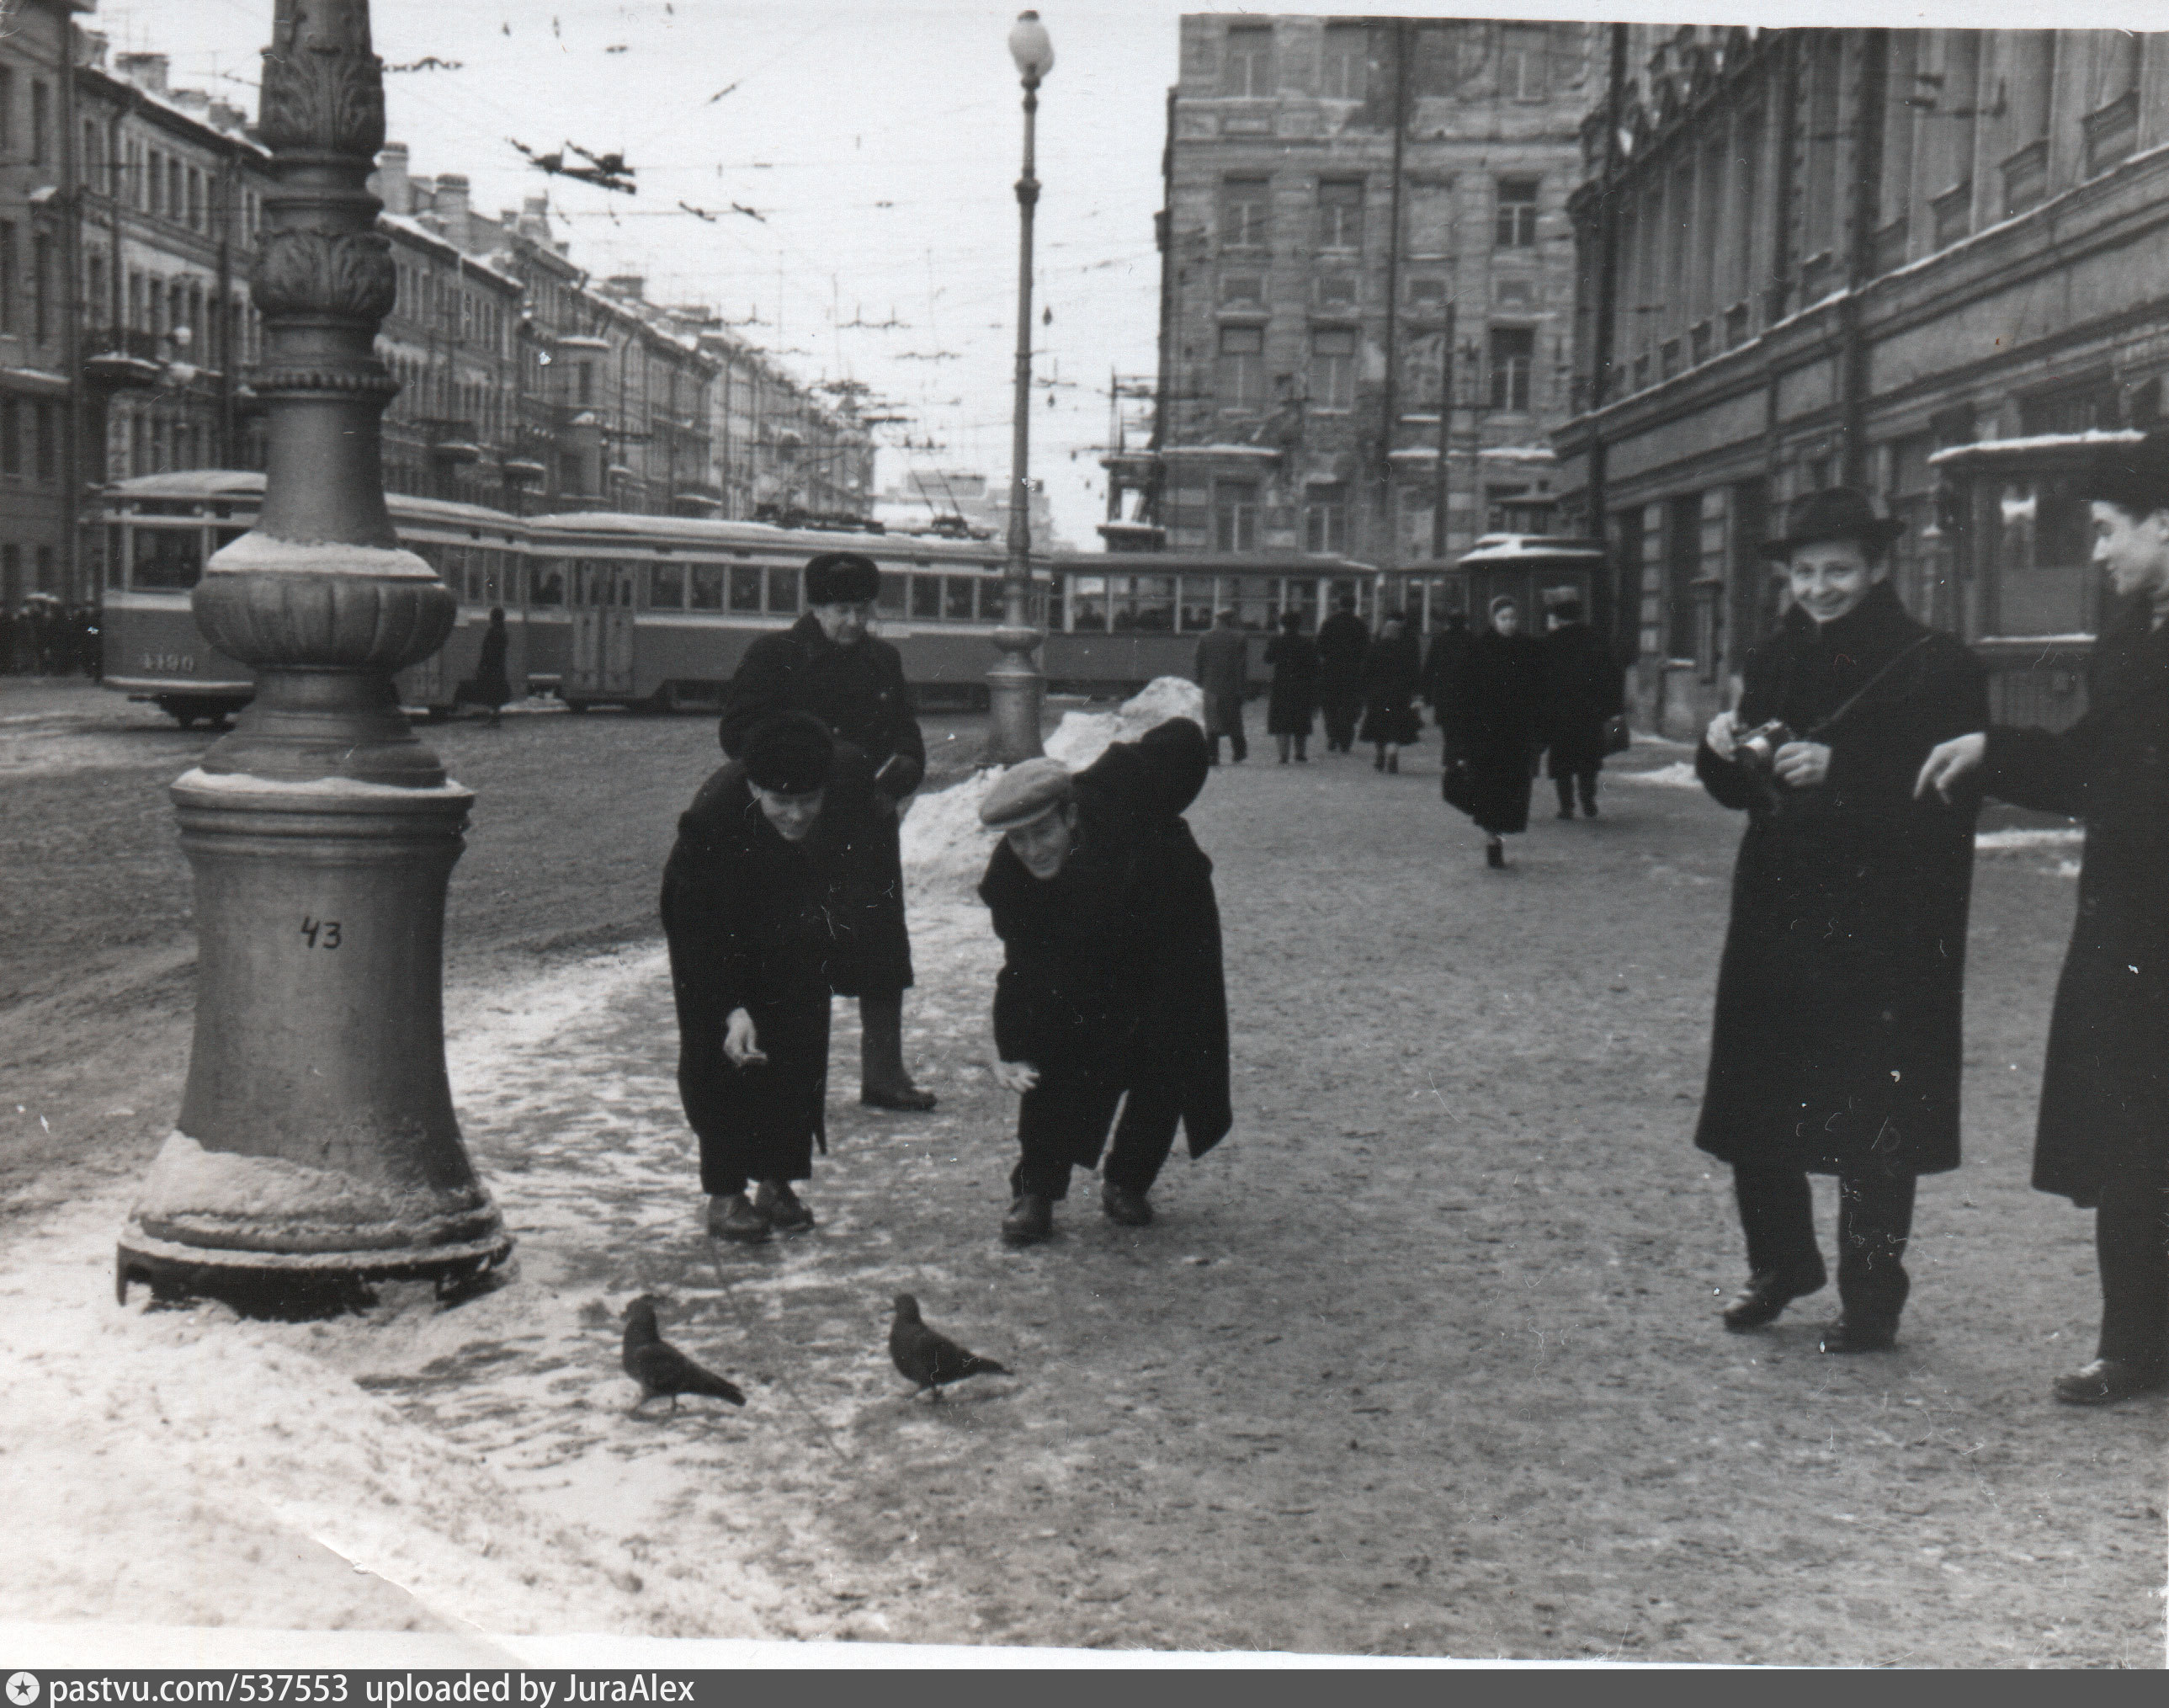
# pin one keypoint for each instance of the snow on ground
(1678, 774)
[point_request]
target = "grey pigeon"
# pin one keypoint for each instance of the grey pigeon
(659, 1367)
(927, 1359)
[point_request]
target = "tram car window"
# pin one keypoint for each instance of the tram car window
(546, 578)
(1053, 606)
(667, 588)
(926, 597)
(745, 587)
(116, 564)
(895, 592)
(1088, 601)
(708, 587)
(167, 559)
(783, 587)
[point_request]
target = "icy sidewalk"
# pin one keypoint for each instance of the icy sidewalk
(474, 1468)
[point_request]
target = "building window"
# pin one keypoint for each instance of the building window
(1513, 355)
(1340, 216)
(1246, 213)
(1242, 378)
(41, 286)
(7, 262)
(11, 438)
(6, 112)
(1242, 291)
(40, 121)
(1343, 74)
(1325, 518)
(176, 196)
(1427, 298)
(1333, 369)
(1248, 68)
(1517, 213)
(1423, 373)
(1524, 62)
(48, 443)
(1235, 517)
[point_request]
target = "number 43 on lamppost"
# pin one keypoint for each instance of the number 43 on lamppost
(1014, 686)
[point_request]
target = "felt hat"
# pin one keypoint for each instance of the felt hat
(835, 577)
(1835, 512)
(1024, 792)
(789, 753)
(2133, 473)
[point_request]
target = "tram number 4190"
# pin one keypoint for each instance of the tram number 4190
(320, 933)
(181, 662)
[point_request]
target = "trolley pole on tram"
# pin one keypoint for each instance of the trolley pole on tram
(1015, 686)
(317, 1148)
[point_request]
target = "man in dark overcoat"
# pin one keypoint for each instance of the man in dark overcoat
(1111, 979)
(1342, 643)
(1584, 690)
(1836, 1047)
(747, 896)
(2103, 1136)
(1449, 652)
(1222, 669)
(828, 664)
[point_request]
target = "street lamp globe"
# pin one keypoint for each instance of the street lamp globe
(1030, 47)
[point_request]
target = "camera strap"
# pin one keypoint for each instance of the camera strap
(1860, 693)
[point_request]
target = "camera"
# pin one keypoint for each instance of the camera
(1757, 749)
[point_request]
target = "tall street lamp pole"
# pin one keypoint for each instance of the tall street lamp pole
(317, 1148)
(1015, 686)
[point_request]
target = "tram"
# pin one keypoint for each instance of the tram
(1538, 571)
(158, 529)
(2007, 565)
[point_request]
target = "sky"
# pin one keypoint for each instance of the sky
(877, 142)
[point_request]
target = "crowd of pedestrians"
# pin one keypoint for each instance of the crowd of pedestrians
(1859, 752)
(45, 636)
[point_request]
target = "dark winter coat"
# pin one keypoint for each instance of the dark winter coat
(1291, 702)
(1449, 652)
(1342, 643)
(492, 688)
(1837, 1042)
(1113, 965)
(1584, 688)
(2105, 1089)
(1222, 668)
(1494, 721)
(1392, 671)
(860, 692)
(748, 919)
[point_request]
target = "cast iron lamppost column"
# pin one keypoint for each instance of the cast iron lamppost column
(316, 1147)
(1014, 684)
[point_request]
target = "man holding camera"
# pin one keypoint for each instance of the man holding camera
(1836, 1045)
(828, 665)
(2104, 1137)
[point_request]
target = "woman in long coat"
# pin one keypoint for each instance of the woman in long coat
(1392, 671)
(1837, 1044)
(748, 896)
(1293, 699)
(1494, 721)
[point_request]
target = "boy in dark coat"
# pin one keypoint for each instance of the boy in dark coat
(1111, 978)
(1584, 689)
(2104, 1138)
(828, 665)
(747, 899)
(1836, 1047)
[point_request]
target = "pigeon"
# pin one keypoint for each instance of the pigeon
(659, 1367)
(927, 1359)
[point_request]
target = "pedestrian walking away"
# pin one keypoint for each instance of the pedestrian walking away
(1222, 670)
(1448, 654)
(1292, 702)
(1342, 643)
(1494, 725)
(2103, 1139)
(1584, 689)
(1111, 978)
(1392, 671)
(1837, 1044)
(828, 664)
(488, 687)
(749, 902)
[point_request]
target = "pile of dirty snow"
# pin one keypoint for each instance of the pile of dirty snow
(945, 844)
(1679, 775)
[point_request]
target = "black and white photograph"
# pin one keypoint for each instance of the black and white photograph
(1103, 836)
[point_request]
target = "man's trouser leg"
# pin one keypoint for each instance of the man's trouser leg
(882, 1071)
(1777, 1214)
(2131, 1234)
(1874, 1220)
(1058, 1129)
(1145, 1134)
(1565, 786)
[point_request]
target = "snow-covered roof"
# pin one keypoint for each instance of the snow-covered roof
(2033, 447)
(1515, 549)
(406, 226)
(1220, 451)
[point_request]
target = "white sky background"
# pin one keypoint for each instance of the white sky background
(879, 140)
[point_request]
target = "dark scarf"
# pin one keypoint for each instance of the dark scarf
(1822, 665)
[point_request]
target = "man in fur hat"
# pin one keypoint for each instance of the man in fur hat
(828, 664)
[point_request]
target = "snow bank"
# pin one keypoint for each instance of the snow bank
(945, 844)
(1678, 774)
(1998, 841)
(210, 1191)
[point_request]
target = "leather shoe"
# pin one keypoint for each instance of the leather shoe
(735, 1218)
(908, 1098)
(2106, 1381)
(1030, 1221)
(1851, 1334)
(1763, 1299)
(781, 1206)
(1124, 1206)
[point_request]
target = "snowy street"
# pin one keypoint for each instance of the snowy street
(1425, 1359)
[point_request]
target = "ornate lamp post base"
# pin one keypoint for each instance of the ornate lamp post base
(1015, 691)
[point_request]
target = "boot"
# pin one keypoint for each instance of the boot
(883, 1081)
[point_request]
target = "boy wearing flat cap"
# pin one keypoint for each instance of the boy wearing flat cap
(2103, 1136)
(1837, 1043)
(747, 903)
(1111, 982)
(828, 665)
